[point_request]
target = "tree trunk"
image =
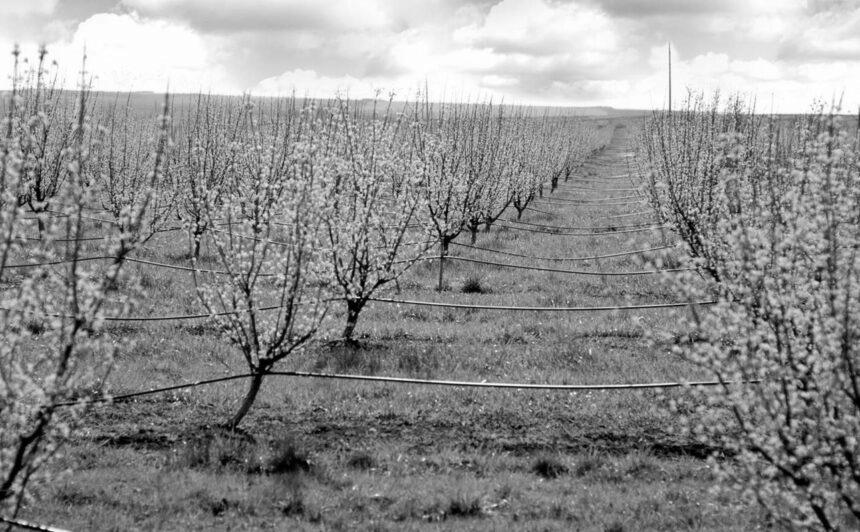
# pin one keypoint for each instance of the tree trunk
(488, 225)
(41, 223)
(602, 277)
(443, 251)
(474, 230)
(250, 396)
(519, 211)
(353, 309)
(196, 251)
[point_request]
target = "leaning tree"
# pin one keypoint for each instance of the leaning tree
(271, 294)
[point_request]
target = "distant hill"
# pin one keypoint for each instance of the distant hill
(151, 102)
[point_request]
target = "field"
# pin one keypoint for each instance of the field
(250, 313)
(330, 454)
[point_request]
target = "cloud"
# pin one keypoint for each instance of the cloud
(266, 15)
(544, 50)
(126, 53)
(309, 83)
(539, 28)
(30, 8)
(526, 51)
(23, 21)
(828, 35)
(650, 8)
(261, 39)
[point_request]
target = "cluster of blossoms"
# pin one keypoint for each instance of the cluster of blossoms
(770, 212)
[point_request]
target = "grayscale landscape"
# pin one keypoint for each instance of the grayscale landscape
(480, 265)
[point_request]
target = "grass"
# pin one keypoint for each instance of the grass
(473, 285)
(346, 455)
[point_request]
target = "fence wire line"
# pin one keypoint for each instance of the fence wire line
(542, 212)
(603, 217)
(27, 525)
(608, 179)
(55, 262)
(567, 259)
(579, 197)
(559, 270)
(467, 259)
(553, 201)
(127, 259)
(541, 309)
(286, 244)
(596, 189)
(179, 317)
(212, 229)
(602, 180)
(607, 229)
(189, 268)
(65, 240)
(405, 380)
(611, 164)
(187, 317)
(588, 201)
(598, 233)
(639, 213)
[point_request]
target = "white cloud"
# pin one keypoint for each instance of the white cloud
(126, 53)
(29, 8)
(536, 27)
(526, 51)
(265, 15)
(309, 83)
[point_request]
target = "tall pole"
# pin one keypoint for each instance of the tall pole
(669, 48)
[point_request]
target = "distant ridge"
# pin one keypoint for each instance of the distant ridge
(146, 101)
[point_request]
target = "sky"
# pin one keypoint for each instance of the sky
(783, 53)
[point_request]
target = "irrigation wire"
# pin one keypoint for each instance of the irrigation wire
(639, 213)
(568, 259)
(540, 309)
(599, 233)
(558, 270)
(179, 317)
(595, 203)
(188, 317)
(603, 180)
(128, 259)
(588, 197)
(607, 229)
(593, 189)
(27, 525)
(189, 268)
(542, 212)
(456, 258)
(406, 380)
(64, 240)
(583, 200)
(54, 263)
(603, 217)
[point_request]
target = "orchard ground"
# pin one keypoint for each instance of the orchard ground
(321, 454)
